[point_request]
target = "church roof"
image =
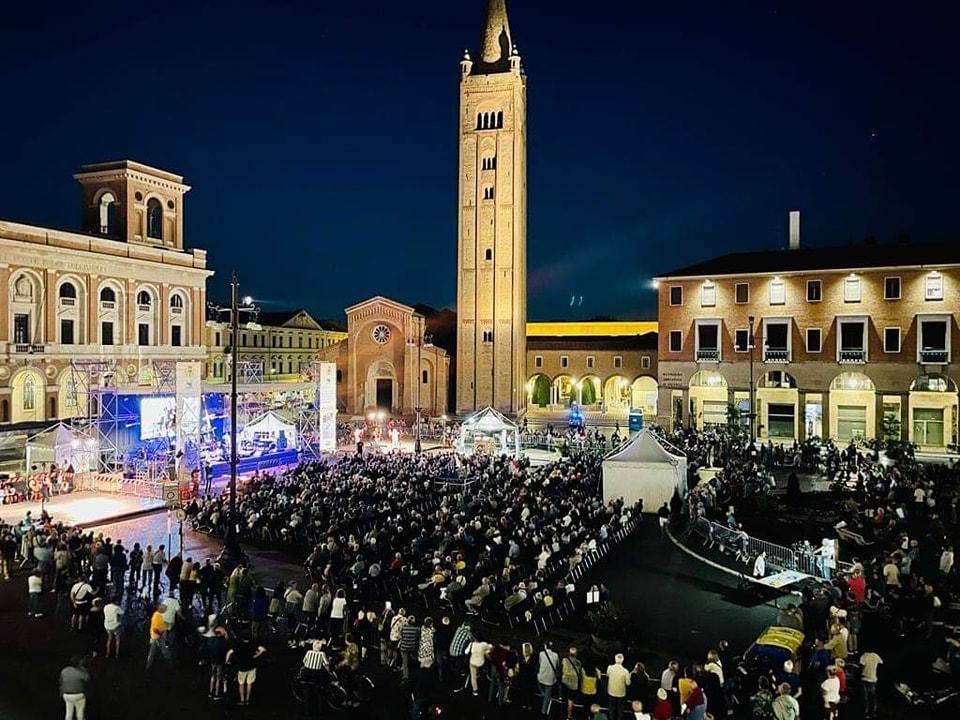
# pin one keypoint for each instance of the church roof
(496, 44)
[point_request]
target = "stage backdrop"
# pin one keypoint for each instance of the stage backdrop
(188, 418)
(327, 406)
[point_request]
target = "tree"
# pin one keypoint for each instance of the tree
(541, 391)
(588, 392)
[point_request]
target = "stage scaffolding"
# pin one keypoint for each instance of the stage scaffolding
(317, 411)
(95, 382)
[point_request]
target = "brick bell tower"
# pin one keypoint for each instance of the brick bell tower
(492, 232)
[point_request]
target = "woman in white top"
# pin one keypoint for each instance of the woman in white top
(830, 688)
(338, 613)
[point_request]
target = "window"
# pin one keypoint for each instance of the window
(708, 295)
(489, 163)
(300, 342)
(778, 292)
(176, 302)
(243, 339)
(933, 287)
(851, 289)
(708, 341)
(676, 295)
(108, 214)
(618, 361)
(814, 340)
(852, 347)
(741, 340)
(742, 293)
(154, 219)
(776, 345)
(143, 334)
(928, 426)
(814, 291)
(488, 254)
(67, 291)
(143, 300)
(781, 420)
(107, 295)
(488, 336)
(851, 422)
(66, 332)
(891, 340)
(538, 361)
(216, 339)
(676, 341)
(490, 120)
(645, 362)
(591, 361)
(488, 193)
(934, 339)
(564, 361)
(273, 341)
(426, 377)
(891, 288)
(21, 328)
(106, 333)
(29, 393)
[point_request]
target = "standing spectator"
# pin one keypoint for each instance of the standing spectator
(112, 613)
(73, 689)
(173, 572)
(459, 645)
(338, 615)
(217, 654)
(696, 702)
(785, 706)
(663, 710)
(81, 594)
(761, 702)
(118, 568)
(547, 676)
(349, 664)
(571, 672)
(136, 565)
(664, 516)
(159, 558)
(396, 628)
(409, 645)
(148, 557)
(258, 615)
(830, 691)
(311, 601)
(870, 662)
(502, 665)
(479, 651)
(618, 679)
(946, 561)
(441, 644)
(158, 629)
(34, 588)
(243, 658)
(425, 650)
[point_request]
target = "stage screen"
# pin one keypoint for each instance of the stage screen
(158, 417)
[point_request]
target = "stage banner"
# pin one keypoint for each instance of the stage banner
(188, 417)
(327, 406)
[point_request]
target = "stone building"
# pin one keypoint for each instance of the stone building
(122, 290)
(388, 362)
(607, 367)
(492, 230)
(284, 343)
(848, 342)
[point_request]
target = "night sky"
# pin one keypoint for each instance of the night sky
(320, 140)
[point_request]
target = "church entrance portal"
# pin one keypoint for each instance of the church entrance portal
(385, 394)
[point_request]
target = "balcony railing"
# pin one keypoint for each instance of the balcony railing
(934, 357)
(857, 356)
(708, 355)
(176, 310)
(68, 301)
(776, 355)
(143, 307)
(28, 348)
(108, 304)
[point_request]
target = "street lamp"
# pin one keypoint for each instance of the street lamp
(422, 340)
(232, 553)
(753, 390)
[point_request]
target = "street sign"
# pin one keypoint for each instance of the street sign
(181, 514)
(171, 495)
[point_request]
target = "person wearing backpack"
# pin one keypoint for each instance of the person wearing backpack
(571, 672)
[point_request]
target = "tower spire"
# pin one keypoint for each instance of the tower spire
(496, 45)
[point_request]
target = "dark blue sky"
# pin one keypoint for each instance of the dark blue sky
(320, 138)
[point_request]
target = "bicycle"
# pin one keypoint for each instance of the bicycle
(314, 688)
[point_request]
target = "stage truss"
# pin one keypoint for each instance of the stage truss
(317, 412)
(95, 382)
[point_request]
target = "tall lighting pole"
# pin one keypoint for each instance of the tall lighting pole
(753, 390)
(423, 339)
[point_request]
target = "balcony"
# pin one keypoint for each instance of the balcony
(776, 355)
(143, 307)
(934, 357)
(108, 304)
(28, 349)
(176, 311)
(68, 302)
(711, 355)
(853, 357)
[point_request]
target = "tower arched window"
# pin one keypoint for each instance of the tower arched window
(68, 290)
(108, 214)
(479, 121)
(500, 119)
(29, 393)
(154, 219)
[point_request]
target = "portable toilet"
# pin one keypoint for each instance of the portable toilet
(636, 420)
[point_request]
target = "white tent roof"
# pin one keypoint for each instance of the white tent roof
(488, 420)
(270, 422)
(644, 447)
(56, 436)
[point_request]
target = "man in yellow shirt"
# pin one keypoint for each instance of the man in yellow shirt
(158, 629)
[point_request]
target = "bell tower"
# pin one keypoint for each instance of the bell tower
(492, 231)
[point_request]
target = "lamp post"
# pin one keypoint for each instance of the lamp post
(753, 390)
(232, 553)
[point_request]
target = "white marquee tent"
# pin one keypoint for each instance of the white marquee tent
(644, 469)
(270, 427)
(491, 432)
(62, 446)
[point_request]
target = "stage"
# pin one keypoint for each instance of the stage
(82, 508)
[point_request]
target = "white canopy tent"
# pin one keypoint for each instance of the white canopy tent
(643, 468)
(489, 431)
(270, 428)
(63, 447)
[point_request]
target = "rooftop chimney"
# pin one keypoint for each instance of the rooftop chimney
(794, 229)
